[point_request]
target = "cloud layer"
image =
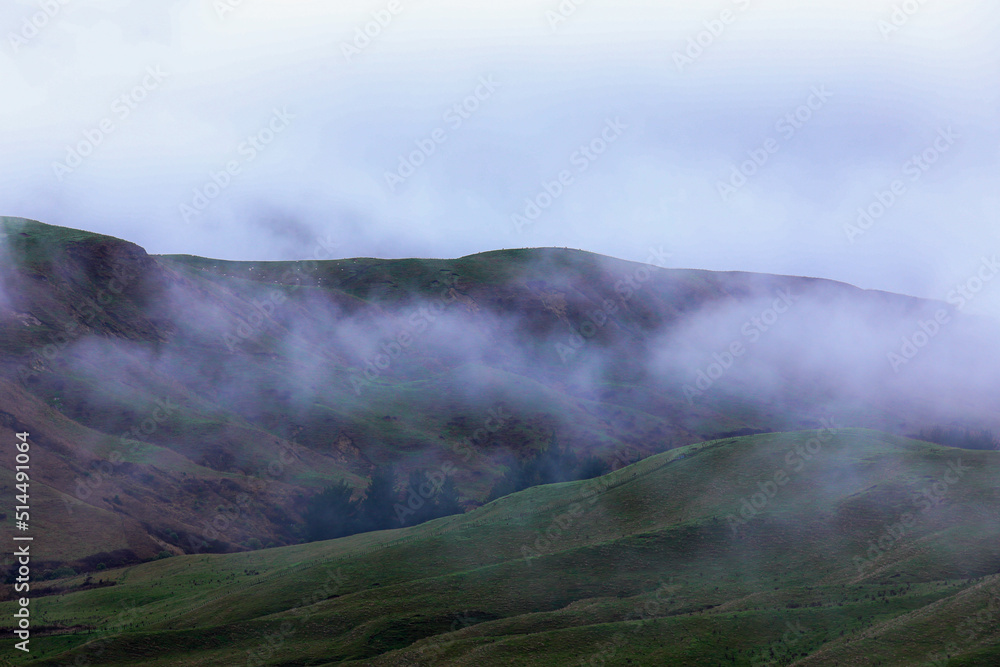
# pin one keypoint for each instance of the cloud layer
(751, 135)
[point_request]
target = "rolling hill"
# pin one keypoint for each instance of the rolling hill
(183, 405)
(826, 547)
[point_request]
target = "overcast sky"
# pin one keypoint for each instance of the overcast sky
(734, 134)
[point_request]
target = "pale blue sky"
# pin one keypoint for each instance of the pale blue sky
(182, 88)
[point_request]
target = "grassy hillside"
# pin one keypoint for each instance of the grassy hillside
(861, 548)
(182, 406)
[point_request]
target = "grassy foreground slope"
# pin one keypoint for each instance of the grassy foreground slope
(861, 548)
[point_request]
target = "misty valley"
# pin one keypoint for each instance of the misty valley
(536, 456)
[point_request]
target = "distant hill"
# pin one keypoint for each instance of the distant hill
(187, 405)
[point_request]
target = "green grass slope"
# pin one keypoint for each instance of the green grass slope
(810, 548)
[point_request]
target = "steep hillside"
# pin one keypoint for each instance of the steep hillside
(190, 405)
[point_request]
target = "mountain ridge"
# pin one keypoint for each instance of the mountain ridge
(288, 377)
